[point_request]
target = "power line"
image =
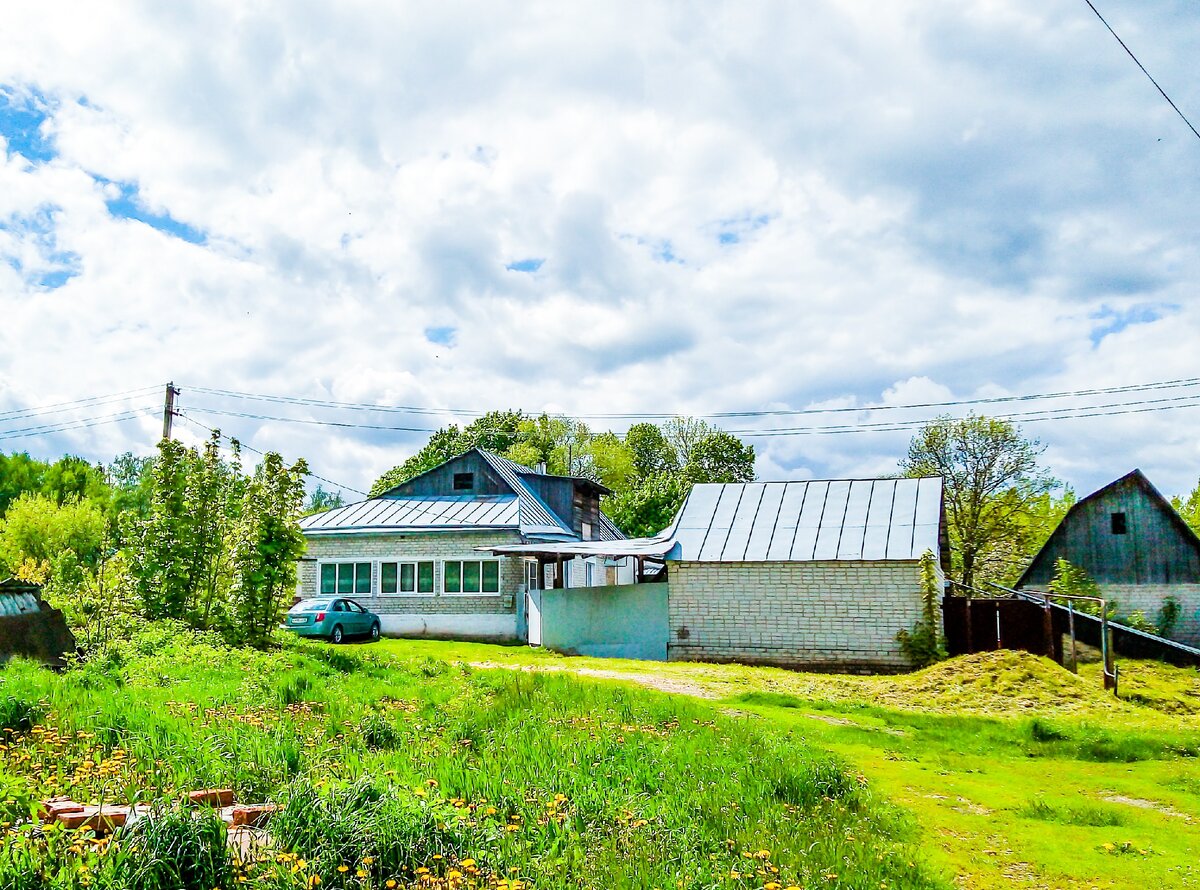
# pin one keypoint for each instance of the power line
(1185, 382)
(241, 444)
(1170, 101)
(87, 423)
(76, 404)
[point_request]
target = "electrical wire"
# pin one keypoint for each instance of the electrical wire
(1125, 47)
(240, 444)
(89, 402)
(86, 423)
(1185, 382)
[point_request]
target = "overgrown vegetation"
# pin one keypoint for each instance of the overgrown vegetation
(425, 774)
(924, 644)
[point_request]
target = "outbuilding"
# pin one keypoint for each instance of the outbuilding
(1135, 546)
(812, 574)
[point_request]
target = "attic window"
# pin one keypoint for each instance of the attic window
(1118, 523)
(464, 481)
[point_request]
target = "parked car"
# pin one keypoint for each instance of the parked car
(335, 618)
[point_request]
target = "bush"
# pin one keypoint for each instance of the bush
(923, 645)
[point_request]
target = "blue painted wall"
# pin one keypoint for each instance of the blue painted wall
(628, 621)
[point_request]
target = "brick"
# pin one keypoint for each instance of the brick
(101, 820)
(213, 797)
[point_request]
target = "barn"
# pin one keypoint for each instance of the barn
(811, 574)
(1135, 546)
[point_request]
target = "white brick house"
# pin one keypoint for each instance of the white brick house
(412, 554)
(819, 574)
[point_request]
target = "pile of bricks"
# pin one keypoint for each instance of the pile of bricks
(103, 820)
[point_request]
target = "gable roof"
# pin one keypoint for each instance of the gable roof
(1137, 478)
(523, 510)
(820, 520)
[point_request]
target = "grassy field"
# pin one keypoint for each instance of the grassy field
(459, 765)
(396, 768)
(1017, 772)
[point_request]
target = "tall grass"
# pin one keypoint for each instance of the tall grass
(416, 771)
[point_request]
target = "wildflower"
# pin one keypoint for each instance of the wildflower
(361, 873)
(343, 868)
(389, 883)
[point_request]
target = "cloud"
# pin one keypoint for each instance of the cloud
(626, 208)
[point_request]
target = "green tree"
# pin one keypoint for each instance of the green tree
(19, 473)
(131, 483)
(719, 457)
(321, 500)
(55, 545)
(684, 434)
(651, 453)
(161, 543)
(992, 481)
(924, 644)
(649, 507)
(266, 543)
(1189, 508)
(74, 478)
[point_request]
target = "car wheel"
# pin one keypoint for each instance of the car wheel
(337, 636)
(375, 632)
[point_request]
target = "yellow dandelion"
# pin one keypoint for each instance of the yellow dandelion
(343, 868)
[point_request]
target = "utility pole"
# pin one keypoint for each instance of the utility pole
(169, 409)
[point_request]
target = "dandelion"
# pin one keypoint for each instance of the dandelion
(343, 869)
(389, 883)
(361, 873)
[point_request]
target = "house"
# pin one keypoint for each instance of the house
(413, 555)
(817, 574)
(1134, 545)
(30, 627)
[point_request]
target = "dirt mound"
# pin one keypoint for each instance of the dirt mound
(1004, 682)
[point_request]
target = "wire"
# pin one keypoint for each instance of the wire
(1170, 101)
(46, 429)
(411, 409)
(58, 407)
(241, 444)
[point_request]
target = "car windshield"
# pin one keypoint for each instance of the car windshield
(315, 606)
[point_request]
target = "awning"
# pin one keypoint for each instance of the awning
(646, 548)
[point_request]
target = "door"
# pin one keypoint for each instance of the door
(533, 616)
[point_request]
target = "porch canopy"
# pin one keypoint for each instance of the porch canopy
(556, 553)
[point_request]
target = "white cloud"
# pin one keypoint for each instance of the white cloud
(779, 207)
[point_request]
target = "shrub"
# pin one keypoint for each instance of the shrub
(1168, 616)
(923, 645)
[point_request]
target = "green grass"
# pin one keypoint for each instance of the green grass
(410, 768)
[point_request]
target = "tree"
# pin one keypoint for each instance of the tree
(161, 543)
(651, 453)
(495, 431)
(321, 500)
(684, 434)
(1189, 508)
(130, 479)
(19, 473)
(992, 481)
(648, 508)
(719, 457)
(266, 543)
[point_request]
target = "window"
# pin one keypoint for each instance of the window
(586, 531)
(345, 577)
(405, 577)
(1118, 523)
(464, 481)
(471, 576)
(533, 577)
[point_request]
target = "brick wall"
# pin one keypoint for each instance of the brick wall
(1150, 598)
(465, 616)
(827, 615)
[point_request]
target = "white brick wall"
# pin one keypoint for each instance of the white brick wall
(400, 614)
(1150, 598)
(839, 615)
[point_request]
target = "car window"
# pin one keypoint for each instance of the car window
(338, 607)
(316, 606)
(354, 607)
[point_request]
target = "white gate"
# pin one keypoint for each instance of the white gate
(533, 616)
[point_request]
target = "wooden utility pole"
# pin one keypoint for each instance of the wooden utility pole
(169, 409)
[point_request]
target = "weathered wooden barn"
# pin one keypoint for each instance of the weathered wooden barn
(30, 627)
(1134, 545)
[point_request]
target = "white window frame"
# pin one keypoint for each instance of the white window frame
(347, 560)
(415, 563)
(481, 592)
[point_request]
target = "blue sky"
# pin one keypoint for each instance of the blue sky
(624, 209)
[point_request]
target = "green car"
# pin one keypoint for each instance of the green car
(333, 618)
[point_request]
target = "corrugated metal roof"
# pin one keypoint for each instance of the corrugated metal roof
(383, 514)
(535, 516)
(18, 604)
(841, 519)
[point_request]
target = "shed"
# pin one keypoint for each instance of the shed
(30, 627)
(1134, 545)
(813, 574)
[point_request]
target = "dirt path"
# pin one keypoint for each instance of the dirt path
(653, 681)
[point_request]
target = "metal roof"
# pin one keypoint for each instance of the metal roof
(535, 516)
(385, 514)
(841, 519)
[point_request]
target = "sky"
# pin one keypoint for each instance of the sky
(607, 210)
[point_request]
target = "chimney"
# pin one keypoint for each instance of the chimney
(541, 467)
